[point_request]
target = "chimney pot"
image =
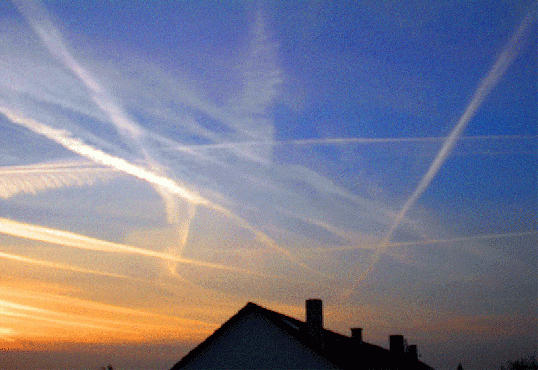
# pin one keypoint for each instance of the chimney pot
(356, 334)
(397, 345)
(413, 352)
(314, 312)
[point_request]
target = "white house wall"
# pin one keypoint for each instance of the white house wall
(254, 342)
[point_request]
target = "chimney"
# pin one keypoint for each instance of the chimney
(314, 321)
(397, 345)
(356, 335)
(412, 352)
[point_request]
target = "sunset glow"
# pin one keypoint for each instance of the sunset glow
(164, 163)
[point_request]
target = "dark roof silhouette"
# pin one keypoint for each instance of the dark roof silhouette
(257, 338)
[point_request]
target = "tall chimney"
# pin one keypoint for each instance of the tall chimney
(397, 345)
(356, 334)
(314, 321)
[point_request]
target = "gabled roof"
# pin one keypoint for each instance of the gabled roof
(338, 350)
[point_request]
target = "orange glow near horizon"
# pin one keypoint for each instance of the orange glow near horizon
(33, 315)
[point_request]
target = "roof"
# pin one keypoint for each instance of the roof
(339, 350)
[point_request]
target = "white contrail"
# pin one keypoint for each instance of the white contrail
(420, 242)
(486, 85)
(33, 261)
(64, 138)
(40, 21)
(43, 176)
(344, 141)
(77, 146)
(73, 240)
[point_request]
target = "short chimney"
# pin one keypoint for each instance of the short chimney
(412, 352)
(397, 345)
(314, 321)
(356, 335)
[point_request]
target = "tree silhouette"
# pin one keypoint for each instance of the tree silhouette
(524, 363)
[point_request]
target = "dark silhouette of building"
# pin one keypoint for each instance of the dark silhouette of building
(258, 338)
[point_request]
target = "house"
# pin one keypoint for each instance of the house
(258, 338)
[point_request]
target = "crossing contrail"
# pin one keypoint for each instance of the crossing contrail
(75, 145)
(486, 85)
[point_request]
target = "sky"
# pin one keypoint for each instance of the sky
(164, 163)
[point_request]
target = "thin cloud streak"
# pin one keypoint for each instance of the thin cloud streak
(33, 261)
(347, 141)
(5, 312)
(70, 320)
(8, 308)
(73, 240)
(373, 246)
(12, 308)
(486, 85)
(46, 297)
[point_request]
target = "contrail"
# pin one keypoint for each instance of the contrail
(422, 242)
(486, 85)
(18, 258)
(76, 313)
(4, 312)
(86, 305)
(345, 141)
(51, 37)
(64, 138)
(10, 308)
(39, 20)
(40, 177)
(73, 240)
(182, 228)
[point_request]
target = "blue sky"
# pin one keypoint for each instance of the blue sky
(163, 163)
